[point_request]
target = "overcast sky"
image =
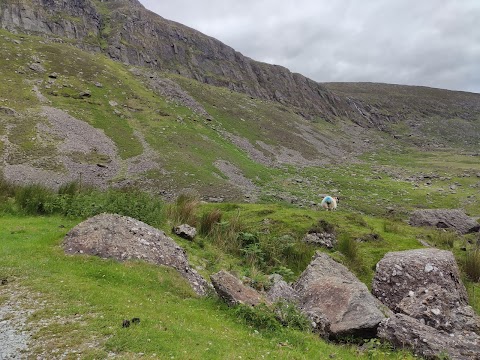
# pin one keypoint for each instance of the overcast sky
(415, 42)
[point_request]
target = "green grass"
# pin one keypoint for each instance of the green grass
(378, 192)
(103, 293)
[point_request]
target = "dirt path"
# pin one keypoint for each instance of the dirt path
(14, 311)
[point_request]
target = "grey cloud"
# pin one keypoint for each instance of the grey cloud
(429, 42)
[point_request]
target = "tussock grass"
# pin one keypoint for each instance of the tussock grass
(390, 226)
(184, 209)
(208, 220)
(225, 235)
(444, 238)
(472, 264)
(348, 247)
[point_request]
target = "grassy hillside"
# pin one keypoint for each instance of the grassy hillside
(162, 145)
(243, 150)
(77, 303)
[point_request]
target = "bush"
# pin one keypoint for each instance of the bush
(70, 188)
(253, 254)
(259, 317)
(289, 316)
(247, 239)
(6, 189)
(127, 202)
(278, 249)
(287, 274)
(35, 199)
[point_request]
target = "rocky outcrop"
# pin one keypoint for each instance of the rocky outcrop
(445, 219)
(281, 291)
(71, 19)
(139, 37)
(406, 332)
(433, 316)
(329, 289)
(124, 238)
(233, 291)
(400, 273)
(441, 309)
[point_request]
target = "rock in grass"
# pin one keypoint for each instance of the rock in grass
(124, 238)
(434, 318)
(440, 308)
(445, 219)
(329, 289)
(402, 331)
(281, 291)
(185, 231)
(233, 291)
(402, 273)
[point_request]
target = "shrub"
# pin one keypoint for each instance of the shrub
(253, 254)
(247, 239)
(259, 317)
(126, 202)
(35, 199)
(71, 188)
(289, 316)
(6, 189)
(472, 264)
(208, 221)
(278, 249)
(287, 274)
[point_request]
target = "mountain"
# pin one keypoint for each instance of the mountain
(111, 94)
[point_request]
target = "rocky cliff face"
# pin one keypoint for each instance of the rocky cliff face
(127, 32)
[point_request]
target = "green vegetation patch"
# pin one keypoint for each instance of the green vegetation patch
(86, 299)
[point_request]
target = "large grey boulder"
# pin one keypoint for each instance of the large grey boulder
(445, 219)
(233, 291)
(406, 332)
(434, 318)
(400, 273)
(124, 238)
(439, 308)
(281, 290)
(330, 290)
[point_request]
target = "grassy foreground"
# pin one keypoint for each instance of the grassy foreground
(85, 300)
